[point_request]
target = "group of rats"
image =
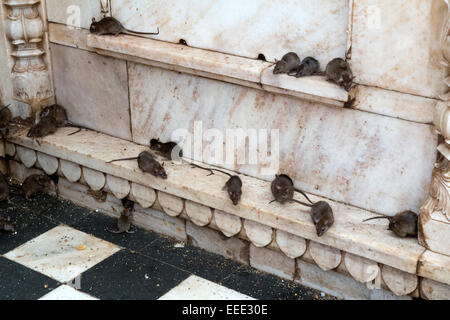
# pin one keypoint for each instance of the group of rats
(338, 70)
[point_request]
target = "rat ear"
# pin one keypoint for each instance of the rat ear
(93, 20)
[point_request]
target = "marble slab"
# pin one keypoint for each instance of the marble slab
(394, 104)
(66, 292)
(75, 13)
(346, 155)
(93, 89)
(57, 253)
(435, 266)
(395, 45)
(196, 288)
(244, 28)
(371, 240)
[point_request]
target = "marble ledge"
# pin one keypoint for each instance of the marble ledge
(224, 67)
(370, 240)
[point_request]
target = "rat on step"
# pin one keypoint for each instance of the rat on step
(321, 213)
(288, 64)
(44, 127)
(403, 224)
(37, 183)
(147, 163)
(308, 67)
(112, 26)
(60, 116)
(338, 71)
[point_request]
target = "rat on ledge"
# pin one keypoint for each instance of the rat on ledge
(147, 163)
(403, 224)
(112, 26)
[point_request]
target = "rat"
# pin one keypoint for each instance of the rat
(124, 221)
(403, 224)
(165, 148)
(45, 126)
(308, 67)
(283, 189)
(60, 115)
(288, 64)
(233, 185)
(37, 183)
(6, 225)
(4, 188)
(5, 119)
(110, 25)
(147, 163)
(338, 71)
(321, 212)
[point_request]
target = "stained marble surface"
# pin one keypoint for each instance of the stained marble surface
(76, 13)
(343, 154)
(395, 45)
(93, 89)
(244, 28)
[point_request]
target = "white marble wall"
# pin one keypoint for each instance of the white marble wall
(395, 45)
(244, 28)
(347, 155)
(93, 89)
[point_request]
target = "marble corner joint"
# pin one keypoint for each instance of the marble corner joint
(371, 273)
(25, 30)
(434, 215)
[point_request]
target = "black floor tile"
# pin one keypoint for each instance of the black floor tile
(261, 285)
(96, 224)
(20, 283)
(66, 212)
(204, 264)
(130, 276)
(28, 225)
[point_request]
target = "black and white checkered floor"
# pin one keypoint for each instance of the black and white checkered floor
(62, 251)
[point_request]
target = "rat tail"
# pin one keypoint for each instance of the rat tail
(304, 194)
(125, 159)
(383, 217)
(302, 203)
(138, 32)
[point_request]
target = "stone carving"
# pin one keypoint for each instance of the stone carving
(431, 231)
(24, 28)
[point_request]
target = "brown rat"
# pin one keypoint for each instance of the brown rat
(308, 67)
(6, 225)
(321, 213)
(60, 115)
(283, 189)
(4, 188)
(403, 224)
(165, 149)
(147, 163)
(338, 71)
(288, 64)
(124, 221)
(112, 26)
(45, 126)
(37, 183)
(233, 186)
(5, 116)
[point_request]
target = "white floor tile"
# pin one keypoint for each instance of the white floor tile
(57, 254)
(196, 288)
(67, 293)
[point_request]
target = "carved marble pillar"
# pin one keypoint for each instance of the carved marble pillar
(25, 29)
(434, 216)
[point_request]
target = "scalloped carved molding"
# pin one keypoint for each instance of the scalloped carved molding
(25, 29)
(434, 215)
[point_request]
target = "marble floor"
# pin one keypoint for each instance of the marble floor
(62, 252)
